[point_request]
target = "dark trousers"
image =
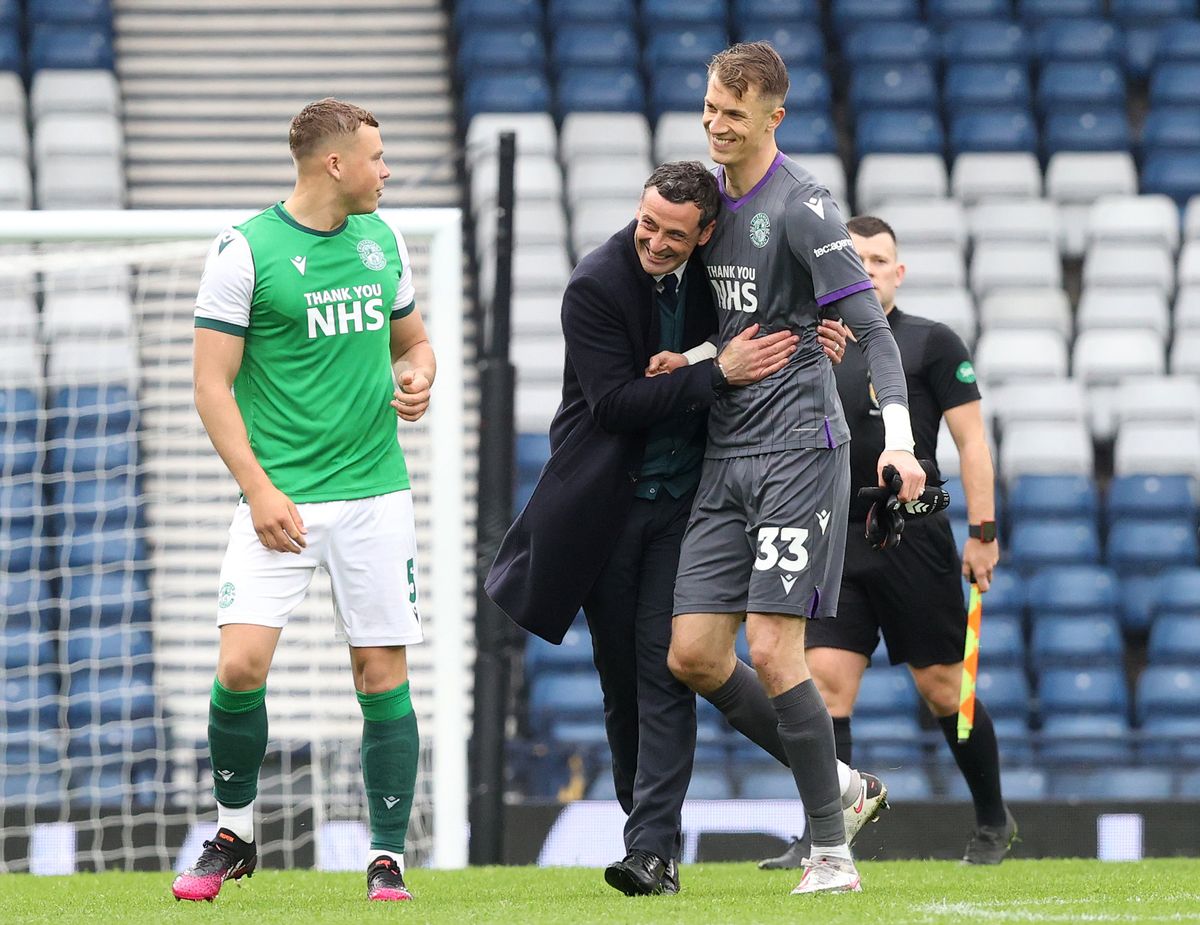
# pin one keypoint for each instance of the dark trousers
(649, 716)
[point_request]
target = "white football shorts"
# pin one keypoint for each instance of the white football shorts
(369, 548)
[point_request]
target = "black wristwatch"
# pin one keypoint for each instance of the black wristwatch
(984, 532)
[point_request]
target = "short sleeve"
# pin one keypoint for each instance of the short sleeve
(949, 368)
(819, 240)
(227, 285)
(406, 294)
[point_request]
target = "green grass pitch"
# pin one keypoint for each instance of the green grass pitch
(895, 892)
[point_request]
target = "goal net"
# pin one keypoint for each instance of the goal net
(114, 512)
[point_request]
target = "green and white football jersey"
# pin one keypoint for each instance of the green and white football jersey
(316, 377)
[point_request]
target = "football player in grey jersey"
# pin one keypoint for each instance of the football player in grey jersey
(766, 536)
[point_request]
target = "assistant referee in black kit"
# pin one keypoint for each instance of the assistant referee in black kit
(913, 593)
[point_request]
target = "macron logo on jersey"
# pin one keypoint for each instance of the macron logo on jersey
(299, 263)
(226, 239)
(816, 207)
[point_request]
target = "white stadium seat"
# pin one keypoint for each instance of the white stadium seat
(978, 176)
(1028, 309)
(831, 173)
(1104, 357)
(614, 177)
(679, 136)
(1023, 221)
(1045, 448)
(1038, 399)
(951, 306)
(1014, 266)
(1152, 219)
(1003, 355)
(595, 134)
(926, 222)
(1157, 448)
(890, 177)
(1123, 307)
(535, 133)
(934, 266)
(1147, 266)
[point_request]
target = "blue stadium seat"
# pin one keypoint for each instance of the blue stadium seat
(1005, 691)
(20, 501)
(594, 45)
(1138, 596)
(1151, 546)
(1092, 130)
(806, 132)
(685, 47)
(602, 787)
(90, 455)
(1083, 690)
(579, 732)
(981, 87)
(899, 133)
(110, 647)
(671, 14)
(886, 692)
(1034, 11)
(27, 603)
(850, 14)
(30, 702)
(23, 547)
(1168, 690)
(678, 89)
(497, 13)
(1144, 10)
(1002, 642)
(1175, 640)
(1072, 590)
(10, 13)
(564, 694)
(787, 11)
(113, 598)
(55, 46)
(810, 89)
(1171, 128)
(22, 647)
(888, 741)
(1171, 739)
(1173, 173)
(1013, 737)
(944, 11)
(1176, 83)
(521, 91)
(120, 741)
(990, 40)
(1079, 86)
(86, 410)
(1060, 642)
(907, 785)
(20, 431)
(67, 12)
(758, 780)
(562, 13)
(600, 89)
(43, 787)
(110, 695)
(12, 51)
(102, 547)
(1006, 596)
(798, 43)
(1189, 784)
(1053, 496)
(574, 653)
(488, 49)
(999, 130)
(899, 43)
(1179, 42)
(1112, 783)
(1037, 544)
(1177, 593)
(711, 782)
(1023, 783)
(1146, 497)
(893, 87)
(85, 504)
(1086, 739)
(532, 452)
(1078, 40)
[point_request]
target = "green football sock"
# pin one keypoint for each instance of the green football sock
(237, 742)
(390, 746)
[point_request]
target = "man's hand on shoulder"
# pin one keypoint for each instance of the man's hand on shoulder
(412, 395)
(748, 359)
(911, 472)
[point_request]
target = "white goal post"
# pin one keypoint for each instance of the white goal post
(166, 248)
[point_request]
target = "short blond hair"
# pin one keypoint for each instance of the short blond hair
(752, 64)
(325, 119)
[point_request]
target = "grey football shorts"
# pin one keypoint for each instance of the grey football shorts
(767, 534)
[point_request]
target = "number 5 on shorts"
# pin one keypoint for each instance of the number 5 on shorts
(795, 558)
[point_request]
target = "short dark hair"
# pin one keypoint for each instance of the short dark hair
(687, 181)
(748, 64)
(322, 119)
(867, 226)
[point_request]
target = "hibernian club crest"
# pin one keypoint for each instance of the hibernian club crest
(760, 230)
(371, 255)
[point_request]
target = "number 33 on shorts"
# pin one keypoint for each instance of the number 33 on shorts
(782, 547)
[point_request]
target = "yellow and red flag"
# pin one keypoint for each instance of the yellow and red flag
(966, 696)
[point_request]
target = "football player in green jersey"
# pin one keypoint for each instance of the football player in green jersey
(308, 346)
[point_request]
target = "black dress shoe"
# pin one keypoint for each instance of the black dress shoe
(670, 878)
(639, 874)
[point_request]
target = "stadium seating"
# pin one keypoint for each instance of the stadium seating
(1072, 590)
(1175, 639)
(1113, 783)
(1075, 740)
(1164, 690)
(1064, 641)
(1082, 690)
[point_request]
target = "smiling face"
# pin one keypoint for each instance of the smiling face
(667, 232)
(739, 130)
(878, 256)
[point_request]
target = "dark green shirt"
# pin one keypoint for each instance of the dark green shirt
(674, 447)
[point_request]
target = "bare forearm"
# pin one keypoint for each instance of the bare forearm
(417, 358)
(223, 420)
(978, 478)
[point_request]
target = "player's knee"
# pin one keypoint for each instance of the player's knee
(691, 666)
(939, 694)
(242, 672)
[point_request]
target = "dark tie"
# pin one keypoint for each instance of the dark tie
(667, 286)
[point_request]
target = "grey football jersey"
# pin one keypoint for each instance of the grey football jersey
(778, 255)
